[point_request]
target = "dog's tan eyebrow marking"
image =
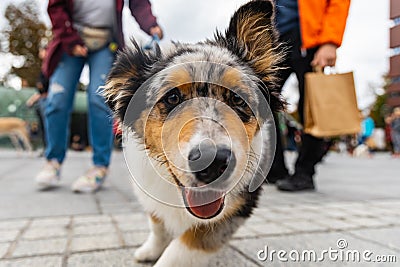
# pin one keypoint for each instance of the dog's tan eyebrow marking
(183, 88)
(232, 78)
(179, 76)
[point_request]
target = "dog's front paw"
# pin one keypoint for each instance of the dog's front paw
(179, 254)
(149, 251)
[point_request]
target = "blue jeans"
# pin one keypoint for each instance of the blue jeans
(59, 105)
(395, 134)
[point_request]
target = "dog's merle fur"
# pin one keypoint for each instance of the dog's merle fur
(249, 45)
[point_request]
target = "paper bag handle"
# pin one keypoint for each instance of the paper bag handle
(318, 69)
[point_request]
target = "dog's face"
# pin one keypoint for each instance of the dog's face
(202, 106)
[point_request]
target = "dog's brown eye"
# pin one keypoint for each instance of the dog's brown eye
(237, 100)
(173, 98)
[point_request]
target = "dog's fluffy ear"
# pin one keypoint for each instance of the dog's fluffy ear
(251, 35)
(126, 76)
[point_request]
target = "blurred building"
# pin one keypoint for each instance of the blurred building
(394, 72)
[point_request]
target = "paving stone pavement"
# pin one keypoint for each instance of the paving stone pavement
(356, 209)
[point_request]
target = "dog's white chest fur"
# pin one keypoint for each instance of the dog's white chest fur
(158, 196)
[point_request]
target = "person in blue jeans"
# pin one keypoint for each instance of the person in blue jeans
(84, 32)
(394, 121)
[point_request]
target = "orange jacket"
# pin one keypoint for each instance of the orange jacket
(322, 21)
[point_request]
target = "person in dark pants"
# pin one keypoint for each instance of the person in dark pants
(312, 30)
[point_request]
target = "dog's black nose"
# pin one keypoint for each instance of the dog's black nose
(208, 163)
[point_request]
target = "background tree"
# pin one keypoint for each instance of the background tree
(380, 109)
(23, 37)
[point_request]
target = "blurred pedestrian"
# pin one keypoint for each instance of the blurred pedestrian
(84, 31)
(37, 100)
(365, 144)
(394, 121)
(76, 143)
(312, 31)
(367, 129)
(42, 84)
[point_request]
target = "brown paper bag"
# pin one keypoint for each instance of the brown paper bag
(330, 105)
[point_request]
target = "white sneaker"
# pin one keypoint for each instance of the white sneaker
(91, 181)
(49, 176)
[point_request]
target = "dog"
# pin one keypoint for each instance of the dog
(16, 130)
(196, 137)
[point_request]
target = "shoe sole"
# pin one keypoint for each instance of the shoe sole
(297, 190)
(45, 186)
(86, 190)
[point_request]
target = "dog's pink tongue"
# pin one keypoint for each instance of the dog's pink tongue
(204, 204)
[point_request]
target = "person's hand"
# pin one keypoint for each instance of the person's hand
(325, 56)
(79, 51)
(32, 100)
(156, 30)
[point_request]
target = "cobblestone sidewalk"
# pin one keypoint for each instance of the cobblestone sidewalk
(105, 229)
(110, 239)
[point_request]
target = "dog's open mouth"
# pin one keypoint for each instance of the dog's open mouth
(204, 204)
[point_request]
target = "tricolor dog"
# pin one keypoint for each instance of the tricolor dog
(17, 131)
(197, 133)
